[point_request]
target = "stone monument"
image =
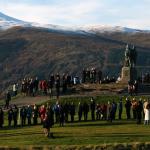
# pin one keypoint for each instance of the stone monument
(129, 72)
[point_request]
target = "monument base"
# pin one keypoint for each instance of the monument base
(128, 75)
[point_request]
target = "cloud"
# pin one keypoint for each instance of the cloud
(80, 12)
(51, 13)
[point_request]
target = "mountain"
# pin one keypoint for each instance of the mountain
(7, 22)
(26, 50)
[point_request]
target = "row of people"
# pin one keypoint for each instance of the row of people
(62, 112)
(31, 86)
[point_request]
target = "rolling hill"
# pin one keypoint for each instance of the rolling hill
(34, 50)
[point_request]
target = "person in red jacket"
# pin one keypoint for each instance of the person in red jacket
(42, 112)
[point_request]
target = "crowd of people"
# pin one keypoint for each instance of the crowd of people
(31, 86)
(133, 88)
(65, 112)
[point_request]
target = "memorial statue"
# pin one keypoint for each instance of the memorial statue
(133, 56)
(127, 56)
(130, 56)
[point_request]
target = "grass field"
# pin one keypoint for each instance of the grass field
(84, 133)
(79, 133)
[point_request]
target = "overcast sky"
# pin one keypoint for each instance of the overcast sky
(128, 13)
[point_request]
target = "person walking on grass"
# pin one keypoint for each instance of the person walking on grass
(48, 121)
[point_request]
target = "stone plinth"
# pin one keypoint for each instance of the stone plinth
(128, 74)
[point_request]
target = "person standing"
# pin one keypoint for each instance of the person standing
(92, 109)
(139, 110)
(62, 116)
(135, 87)
(66, 111)
(85, 110)
(83, 75)
(15, 115)
(1, 117)
(42, 112)
(10, 116)
(128, 108)
(36, 85)
(7, 99)
(147, 113)
(134, 105)
(29, 114)
(120, 108)
(23, 115)
(48, 121)
(35, 114)
(72, 111)
(14, 88)
(57, 84)
(80, 110)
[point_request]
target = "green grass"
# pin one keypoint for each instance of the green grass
(84, 133)
(79, 133)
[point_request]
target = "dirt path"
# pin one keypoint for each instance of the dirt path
(23, 101)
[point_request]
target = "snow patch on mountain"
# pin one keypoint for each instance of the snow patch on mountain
(7, 22)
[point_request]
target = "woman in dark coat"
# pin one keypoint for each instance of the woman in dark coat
(1, 117)
(48, 121)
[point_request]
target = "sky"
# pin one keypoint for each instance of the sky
(126, 13)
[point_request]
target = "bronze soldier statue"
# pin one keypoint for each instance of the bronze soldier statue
(130, 56)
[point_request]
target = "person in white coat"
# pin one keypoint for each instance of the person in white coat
(147, 113)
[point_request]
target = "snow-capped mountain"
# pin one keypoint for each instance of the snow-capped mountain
(107, 28)
(7, 22)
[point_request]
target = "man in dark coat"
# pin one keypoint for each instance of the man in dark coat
(139, 110)
(85, 110)
(64, 84)
(29, 114)
(51, 82)
(120, 108)
(83, 76)
(23, 114)
(35, 114)
(62, 116)
(80, 110)
(92, 109)
(57, 84)
(99, 76)
(72, 111)
(7, 99)
(128, 108)
(10, 116)
(15, 115)
(66, 111)
(36, 85)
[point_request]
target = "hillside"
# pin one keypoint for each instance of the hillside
(37, 51)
